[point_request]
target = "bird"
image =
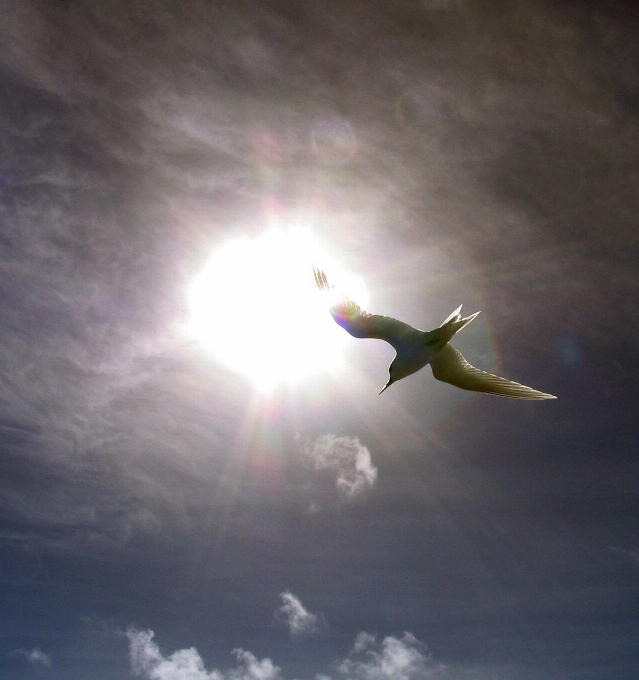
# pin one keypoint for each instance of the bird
(415, 348)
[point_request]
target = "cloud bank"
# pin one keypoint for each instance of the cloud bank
(298, 619)
(186, 664)
(395, 658)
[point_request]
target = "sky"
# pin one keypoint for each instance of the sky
(168, 512)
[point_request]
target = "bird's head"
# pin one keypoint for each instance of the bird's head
(387, 385)
(393, 375)
(404, 364)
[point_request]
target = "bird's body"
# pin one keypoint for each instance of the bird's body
(415, 349)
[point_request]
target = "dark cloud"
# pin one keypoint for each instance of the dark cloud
(449, 152)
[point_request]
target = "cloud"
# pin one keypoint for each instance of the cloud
(402, 658)
(186, 664)
(395, 658)
(632, 555)
(298, 619)
(35, 656)
(363, 641)
(350, 460)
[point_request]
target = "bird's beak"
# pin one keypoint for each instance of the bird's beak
(388, 384)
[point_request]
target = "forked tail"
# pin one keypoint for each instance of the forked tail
(453, 324)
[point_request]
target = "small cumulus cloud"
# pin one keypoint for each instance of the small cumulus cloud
(298, 619)
(35, 656)
(348, 459)
(186, 664)
(395, 658)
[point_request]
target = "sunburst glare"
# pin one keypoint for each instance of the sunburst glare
(256, 308)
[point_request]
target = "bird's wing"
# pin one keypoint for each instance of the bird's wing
(361, 324)
(364, 325)
(450, 366)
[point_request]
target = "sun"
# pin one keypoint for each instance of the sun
(256, 309)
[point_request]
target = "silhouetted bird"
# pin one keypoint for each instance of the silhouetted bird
(417, 348)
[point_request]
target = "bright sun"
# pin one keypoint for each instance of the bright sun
(255, 307)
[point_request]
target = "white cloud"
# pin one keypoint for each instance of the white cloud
(402, 658)
(350, 460)
(395, 658)
(35, 656)
(363, 641)
(252, 669)
(298, 619)
(186, 664)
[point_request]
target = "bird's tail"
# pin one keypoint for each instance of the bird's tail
(453, 324)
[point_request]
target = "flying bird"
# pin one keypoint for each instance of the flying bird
(417, 348)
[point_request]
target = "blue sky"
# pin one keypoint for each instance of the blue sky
(162, 515)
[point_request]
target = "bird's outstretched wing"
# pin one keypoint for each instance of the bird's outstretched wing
(361, 324)
(450, 366)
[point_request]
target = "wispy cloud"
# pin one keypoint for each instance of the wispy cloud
(348, 458)
(298, 619)
(632, 555)
(186, 664)
(35, 656)
(395, 658)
